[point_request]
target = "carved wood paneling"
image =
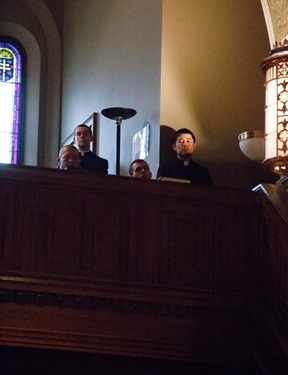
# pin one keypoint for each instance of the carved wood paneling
(117, 265)
(206, 246)
(272, 309)
(8, 214)
(87, 234)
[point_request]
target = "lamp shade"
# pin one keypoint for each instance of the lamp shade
(251, 144)
(276, 110)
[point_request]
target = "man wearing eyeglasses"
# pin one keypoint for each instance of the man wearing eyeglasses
(68, 158)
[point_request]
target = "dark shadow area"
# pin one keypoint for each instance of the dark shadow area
(244, 176)
(166, 152)
(29, 361)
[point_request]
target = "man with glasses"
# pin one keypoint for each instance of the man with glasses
(68, 158)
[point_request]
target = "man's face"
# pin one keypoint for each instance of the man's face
(82, 138)
(69, 159)
(184, 146)
(141, 170)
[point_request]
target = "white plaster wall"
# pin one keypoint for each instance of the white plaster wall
(112, 58)
(50, 129)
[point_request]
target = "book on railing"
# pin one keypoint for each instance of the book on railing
(170, 179)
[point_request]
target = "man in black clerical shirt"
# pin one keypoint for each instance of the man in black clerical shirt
(89, 161)
(184, 143)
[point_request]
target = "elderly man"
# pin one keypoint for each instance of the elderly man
(140, 169)
(68, 158)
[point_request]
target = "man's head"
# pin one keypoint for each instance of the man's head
(184, 143)
(140, 169)
(83, 137)
(68, 158)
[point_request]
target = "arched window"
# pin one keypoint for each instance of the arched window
(12, 87)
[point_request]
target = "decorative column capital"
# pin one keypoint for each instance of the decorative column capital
(276, 18)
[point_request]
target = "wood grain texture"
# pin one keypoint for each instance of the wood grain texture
(115, 265)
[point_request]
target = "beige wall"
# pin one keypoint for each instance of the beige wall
(211, 81)
(112, 55)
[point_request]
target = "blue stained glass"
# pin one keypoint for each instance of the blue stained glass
(6, 69)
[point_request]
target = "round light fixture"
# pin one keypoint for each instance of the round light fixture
(251, 144)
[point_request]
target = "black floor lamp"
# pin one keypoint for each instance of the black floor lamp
(118, 114)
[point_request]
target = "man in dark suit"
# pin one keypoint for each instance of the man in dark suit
(89, 161)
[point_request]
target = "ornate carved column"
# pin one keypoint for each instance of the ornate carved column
(275, 66)
(276, 17)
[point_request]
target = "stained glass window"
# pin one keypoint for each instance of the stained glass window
(10, 103)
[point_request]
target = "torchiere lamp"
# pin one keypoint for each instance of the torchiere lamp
(118, 114)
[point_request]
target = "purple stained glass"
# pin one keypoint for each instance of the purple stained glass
(10, 74)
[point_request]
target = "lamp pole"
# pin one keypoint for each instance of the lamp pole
(118, 114)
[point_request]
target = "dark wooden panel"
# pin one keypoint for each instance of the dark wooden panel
(116, 265)
(8, 214)
(87, 234)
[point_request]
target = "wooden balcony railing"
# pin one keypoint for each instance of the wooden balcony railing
(112, 264)
(273, 307)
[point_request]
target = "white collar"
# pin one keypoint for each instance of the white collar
(82, 153)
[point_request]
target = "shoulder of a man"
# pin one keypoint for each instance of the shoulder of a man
(95, 163)
(165, 169)
(204, 172)
(99, 158)
(201, 167)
